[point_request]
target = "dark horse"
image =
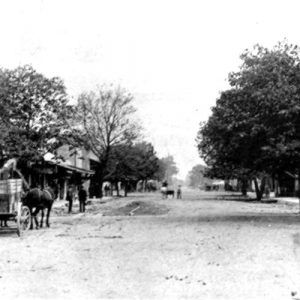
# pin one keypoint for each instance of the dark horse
(38, 200)
(165, 192)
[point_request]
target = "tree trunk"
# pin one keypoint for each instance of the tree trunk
(101, 172)
(276, 187)
(244, 187)
(259, 189)
(297, 185)
(98, 182)
(117, 189)
(136, 186)
(144, 186)
(111, 189)
(125, 189)
(101, 187)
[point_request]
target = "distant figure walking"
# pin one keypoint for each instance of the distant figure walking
(82, 196)
(179, 193)
(70, 198)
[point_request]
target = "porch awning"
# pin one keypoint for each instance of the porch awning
(50, 158)
(76, 169)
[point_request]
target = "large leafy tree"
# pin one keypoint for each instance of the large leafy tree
(161, 170)
(196, 176)
(254, 128)
(30, 113)
(131, 163)
(167, 169)
(101, 121)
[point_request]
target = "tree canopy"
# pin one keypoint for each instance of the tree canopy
(130, 163)
(167, 169)
(254, 127)
(196, 176)
(30, 113)
(103, 120)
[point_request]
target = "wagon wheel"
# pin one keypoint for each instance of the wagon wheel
(23, 219)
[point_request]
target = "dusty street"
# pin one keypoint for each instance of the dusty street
(201, 247)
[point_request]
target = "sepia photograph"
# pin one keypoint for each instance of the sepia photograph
(149, 149)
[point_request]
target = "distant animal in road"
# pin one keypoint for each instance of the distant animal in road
(170, 192)
(165, 192)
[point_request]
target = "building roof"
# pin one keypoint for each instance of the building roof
(50, 158)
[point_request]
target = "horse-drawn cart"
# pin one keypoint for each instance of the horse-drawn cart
(11, 208)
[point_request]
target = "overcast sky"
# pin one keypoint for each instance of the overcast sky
(174, 56)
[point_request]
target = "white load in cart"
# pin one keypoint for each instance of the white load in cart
(11, 207)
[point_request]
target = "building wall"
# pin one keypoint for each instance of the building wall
(79, 158)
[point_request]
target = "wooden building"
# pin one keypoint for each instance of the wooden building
(69, 166)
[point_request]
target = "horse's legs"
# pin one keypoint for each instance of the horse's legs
(48, 214)
(31, 215)
(42, 218)
(36, 211)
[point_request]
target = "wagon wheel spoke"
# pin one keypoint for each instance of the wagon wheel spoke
(24, 219)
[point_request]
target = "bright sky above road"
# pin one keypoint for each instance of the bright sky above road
(174, 56)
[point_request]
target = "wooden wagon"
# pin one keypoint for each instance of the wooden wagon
(11, 207)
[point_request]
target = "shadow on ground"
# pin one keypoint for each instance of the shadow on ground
(7, 231)
(263, 219)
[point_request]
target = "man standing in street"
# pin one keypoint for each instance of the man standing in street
(179, 193)
(82, 196)
(70, 198)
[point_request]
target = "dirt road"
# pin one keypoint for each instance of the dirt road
(200, 247)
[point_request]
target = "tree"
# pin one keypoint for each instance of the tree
(131, 163)
(167, 168)
(254, 128)
(196, 177)
(101, 121)
(225, 150)
(30, 113)
(147, 161)
(161, 170)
